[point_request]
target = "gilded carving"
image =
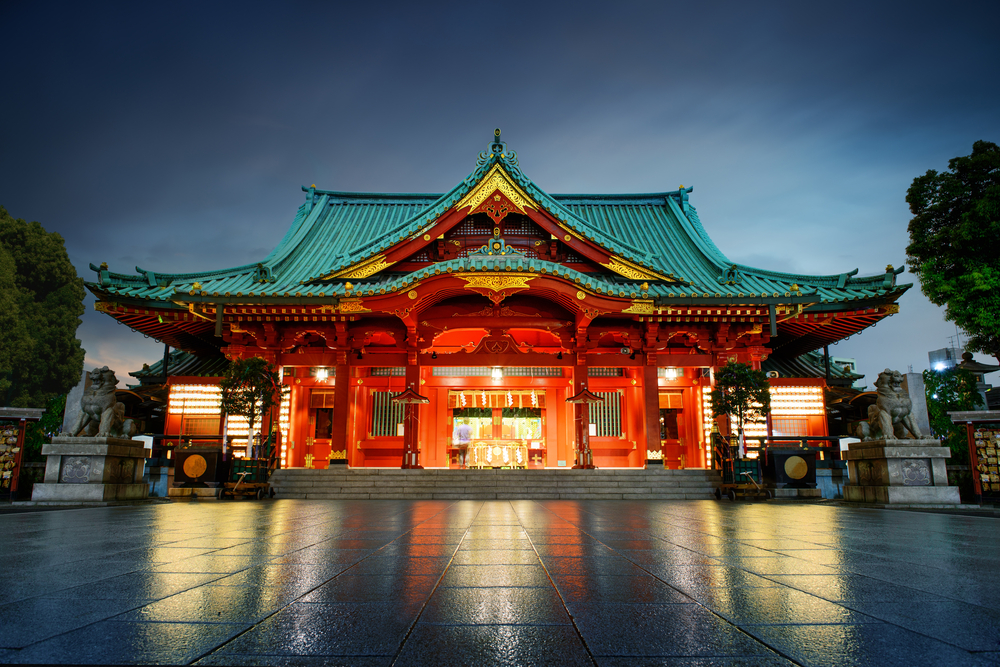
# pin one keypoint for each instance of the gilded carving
(496, 281)
(581, 295)
(641, 307)
(353, 306)
(497, 180)
(363, 269)
(412, 294)
(891, 309)
(495, 286)
(631, 271)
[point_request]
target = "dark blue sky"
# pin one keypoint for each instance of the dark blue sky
(176, 137)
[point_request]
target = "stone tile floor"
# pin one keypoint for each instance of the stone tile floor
(294, 582)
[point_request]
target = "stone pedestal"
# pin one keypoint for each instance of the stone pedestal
(899, 472)
(92, 470)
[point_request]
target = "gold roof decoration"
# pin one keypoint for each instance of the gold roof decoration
(497, 179)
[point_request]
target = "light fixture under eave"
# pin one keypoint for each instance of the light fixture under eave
(322, 374)
(496, 373)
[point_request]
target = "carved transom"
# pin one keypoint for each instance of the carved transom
(500, 344)
(496, 286)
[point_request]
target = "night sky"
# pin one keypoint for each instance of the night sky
(176, 136)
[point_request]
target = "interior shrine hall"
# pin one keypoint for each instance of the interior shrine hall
(495, 325)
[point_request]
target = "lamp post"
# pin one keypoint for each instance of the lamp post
(410, 399)
(584, 456)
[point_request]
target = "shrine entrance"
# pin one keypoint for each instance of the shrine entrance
(493, 428)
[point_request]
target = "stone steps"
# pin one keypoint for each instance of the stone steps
(394, 484)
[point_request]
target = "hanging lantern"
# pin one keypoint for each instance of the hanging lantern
(585, 396)
(497, 373)
(409, 396)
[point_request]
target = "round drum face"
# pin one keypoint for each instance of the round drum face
(195, 466)
(795, 467)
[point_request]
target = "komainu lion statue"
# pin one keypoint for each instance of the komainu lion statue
(889, 418)
(101, 414)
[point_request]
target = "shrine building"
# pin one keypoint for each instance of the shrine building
(556, 330)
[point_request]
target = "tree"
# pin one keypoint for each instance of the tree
(947, 391)
(39, 433)
(955, 243)
(248, 389)
(741, 392)
(41, 301)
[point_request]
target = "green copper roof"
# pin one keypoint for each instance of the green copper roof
(336, 230)
(183, 363)
(809, 365)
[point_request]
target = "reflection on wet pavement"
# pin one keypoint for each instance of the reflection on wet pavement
(499, 582)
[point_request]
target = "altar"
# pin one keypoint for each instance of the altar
(518, 454)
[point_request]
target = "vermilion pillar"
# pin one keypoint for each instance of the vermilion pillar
(651, 406)
(341, 408)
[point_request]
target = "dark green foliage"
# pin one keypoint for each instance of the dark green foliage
(741, 392)
(955, 242)
(249, 389)
(38, 433)
(41, 301)
(950, 391)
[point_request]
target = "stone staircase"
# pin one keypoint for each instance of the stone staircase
(602, 484)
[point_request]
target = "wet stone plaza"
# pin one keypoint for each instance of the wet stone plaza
(296, 582)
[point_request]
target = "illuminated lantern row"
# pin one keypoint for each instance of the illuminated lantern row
(792, 401)
(205, 400)
(706, 419)
(284, 418)
(195, 399)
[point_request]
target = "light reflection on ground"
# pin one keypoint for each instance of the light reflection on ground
(496, 582)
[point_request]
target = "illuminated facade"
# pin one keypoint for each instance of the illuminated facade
(556, 330)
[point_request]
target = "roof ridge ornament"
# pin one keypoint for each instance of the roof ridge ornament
(497, 149)
(731, 276)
